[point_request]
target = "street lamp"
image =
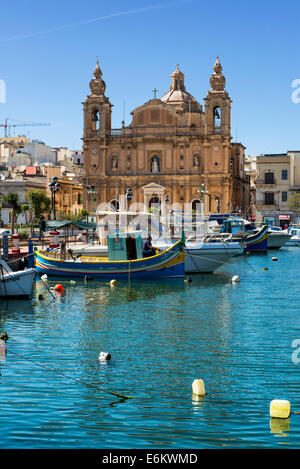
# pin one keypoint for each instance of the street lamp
(54, 187)
(128, 196)
(166, 208)
(91, 190)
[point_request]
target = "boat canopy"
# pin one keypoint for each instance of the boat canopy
(124, 246)
(49, 225)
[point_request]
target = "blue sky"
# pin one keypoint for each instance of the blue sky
(49, 51)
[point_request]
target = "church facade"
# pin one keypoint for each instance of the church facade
(173, 152)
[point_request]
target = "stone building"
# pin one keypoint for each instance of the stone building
(174, 149)
(278, 177)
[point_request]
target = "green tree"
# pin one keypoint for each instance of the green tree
(40, 206)
(294, 202)
(24, 209)
(12, 200)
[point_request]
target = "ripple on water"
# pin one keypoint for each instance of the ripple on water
(238, 338)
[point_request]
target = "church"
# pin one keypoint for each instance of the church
(175, 151)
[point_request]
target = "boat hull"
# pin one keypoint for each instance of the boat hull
(168, 264)
(17, 284)
(277, 239)
(208, 257)
(257, 242)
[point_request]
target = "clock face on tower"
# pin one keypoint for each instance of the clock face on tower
(94, 151)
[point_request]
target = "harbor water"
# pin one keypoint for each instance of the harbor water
(240, 338)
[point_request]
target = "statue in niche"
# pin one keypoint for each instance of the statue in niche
(155, 165)
(114, 163)
(196, 162)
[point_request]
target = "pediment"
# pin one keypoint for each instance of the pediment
(153, 187)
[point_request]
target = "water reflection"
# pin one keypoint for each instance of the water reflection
(280, 426)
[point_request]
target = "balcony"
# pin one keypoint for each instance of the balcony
(262, 182)
(264, 206)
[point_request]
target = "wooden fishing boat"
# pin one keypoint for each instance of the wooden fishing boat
(124, 261)
(252, 241)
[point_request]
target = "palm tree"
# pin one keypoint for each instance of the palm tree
(12, 200)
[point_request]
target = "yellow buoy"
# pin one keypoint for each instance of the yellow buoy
(113, 283)
(198, 387)
(265, 268)
(280, 409)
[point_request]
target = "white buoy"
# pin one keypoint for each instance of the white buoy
(104, 356)
(198, 387)
(113, 283)
(235, 279)
(274, 258)
(280, 409)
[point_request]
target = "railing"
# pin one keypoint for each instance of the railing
(263, 182)
(265, 206)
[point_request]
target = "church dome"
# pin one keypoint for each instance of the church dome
(177, 93)
(177, 96)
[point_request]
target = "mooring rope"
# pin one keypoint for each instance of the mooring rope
(70, 377)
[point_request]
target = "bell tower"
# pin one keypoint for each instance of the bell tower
(97, 108)
(217, 104)
(97, 126)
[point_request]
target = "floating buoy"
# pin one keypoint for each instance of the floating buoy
(274, 258)
(41, 297)
(280, 409)
(113, 283)
(198, 387)
(59, 288)
(265, 268)
(104, 356)
(235, 279)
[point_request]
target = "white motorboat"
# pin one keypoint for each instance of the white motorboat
(294, 231)
(203, 256)
(15, 284)
(277, 238)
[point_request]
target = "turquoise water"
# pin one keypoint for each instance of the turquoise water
(236, 337)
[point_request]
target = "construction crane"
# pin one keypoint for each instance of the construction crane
(7, 126)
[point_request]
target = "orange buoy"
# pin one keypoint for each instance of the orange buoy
(59, 288)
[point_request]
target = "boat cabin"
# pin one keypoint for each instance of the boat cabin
(234, 226)
(124, 246)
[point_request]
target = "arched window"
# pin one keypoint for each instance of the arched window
(96, 119)
(196, 205)
(114, 205)
(217, 116)
(154, 205)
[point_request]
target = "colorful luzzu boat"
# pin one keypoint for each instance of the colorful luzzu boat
(252, 241)
(125, 261)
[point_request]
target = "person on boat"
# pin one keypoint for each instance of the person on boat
(148, 250)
